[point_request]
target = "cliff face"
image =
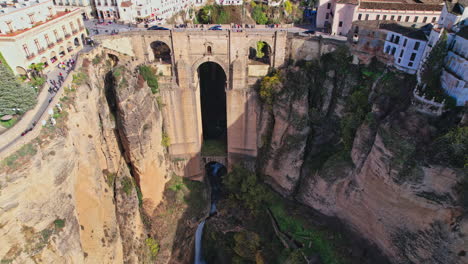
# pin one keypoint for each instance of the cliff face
(364, 160)
(69, 196)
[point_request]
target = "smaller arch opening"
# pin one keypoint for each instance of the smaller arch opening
(161, 52)
(76, 42)
(208, 50)
(261, 53)
(114, 59)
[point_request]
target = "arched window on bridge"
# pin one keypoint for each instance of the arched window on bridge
(261, 53)
(208, 50)
(161, 51)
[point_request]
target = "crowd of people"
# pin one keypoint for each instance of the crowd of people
(66, 66)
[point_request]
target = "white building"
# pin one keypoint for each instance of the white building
(84, 5)
(33, 32)
(454, 78)
(229, 2)
(107, 9)
(336, 16)
(406, 45)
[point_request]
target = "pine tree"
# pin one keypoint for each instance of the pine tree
(15, 97)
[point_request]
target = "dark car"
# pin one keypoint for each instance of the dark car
(309, 32)
(157, 28)
(217, 27)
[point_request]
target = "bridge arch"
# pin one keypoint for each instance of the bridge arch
(266, 50)
(161, 51)
(204, 59)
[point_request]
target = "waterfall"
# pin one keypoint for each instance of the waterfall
(198, 237)
(214, 173)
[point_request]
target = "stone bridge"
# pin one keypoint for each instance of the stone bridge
(179, 81)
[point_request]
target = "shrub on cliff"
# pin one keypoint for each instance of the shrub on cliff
(259, 15)
(15, 97)
(269, 87)
(150, 78)
(452, 148)
(153, 247)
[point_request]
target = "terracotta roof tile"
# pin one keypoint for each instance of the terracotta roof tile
(126, 4)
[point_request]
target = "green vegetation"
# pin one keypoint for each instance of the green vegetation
(258, 14)
(80, 78)
(150, 78)
(260, 45)
(269, 87)
(432, 70)
(213, 148)
(216, 14)
(109, 177)
(13, 161)
(37, 81)
(59, 223)
(165, 140)
(15, 97)
(401, 148)
(127, 185)
(96, 60)
(36, 69)
(246, 188)
(139, 195)
(451, 148)
(288, 7)
(153, 247)
(4, 63)
(9, 123)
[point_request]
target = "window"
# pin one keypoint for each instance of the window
(399, 18)
(385, 17)
(367, 16)
(340, 24)
(407, 19)
(393, 51)
(56, 34)
(399, 60)
(401, 53)
(404, 42)
(208, 50)
(377, 17)
(359, 16)
(64, 30)
(31, 18)
(416, 45)
(26, 50)
(392, 18)
(138, 13)
(38, 46)
(410, 64)
(328, 5)
(72, 26)
(79, 22)
(327, 16)
(434, 19)
(51, 13)
(393, 37)
(397, 39)
(424, 19)
(10, 26)
(413, 56)
(387, 49)
(415, 19)
(47, 39)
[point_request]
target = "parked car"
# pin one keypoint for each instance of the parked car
(217, 27)
(309, 32)
(157, 28)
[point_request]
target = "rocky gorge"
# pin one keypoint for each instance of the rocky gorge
(337, 143)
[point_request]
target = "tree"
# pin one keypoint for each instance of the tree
(259, 16)
(204, 15)
(15, 97)
(432, 68)
(37, 69)
(288, 7)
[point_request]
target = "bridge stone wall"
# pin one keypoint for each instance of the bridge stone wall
(180, 93)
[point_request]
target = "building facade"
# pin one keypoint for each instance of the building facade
(454, 78)
(35, 32)
(84, 5)
(336, 16)
(406, 45)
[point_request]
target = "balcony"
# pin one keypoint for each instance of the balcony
(59, 40)
(81, 28)
(51, 45)
(40, 50)
(30, 56)
(67, 36)
(74, 31)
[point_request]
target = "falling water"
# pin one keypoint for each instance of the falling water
(198, 237)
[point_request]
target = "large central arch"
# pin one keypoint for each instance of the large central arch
(212, 81)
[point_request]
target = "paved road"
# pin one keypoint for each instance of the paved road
(52, 75)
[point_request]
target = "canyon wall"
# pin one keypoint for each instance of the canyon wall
(70, 196)
(345, 141)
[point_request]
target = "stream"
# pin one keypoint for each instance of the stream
(214, 172)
